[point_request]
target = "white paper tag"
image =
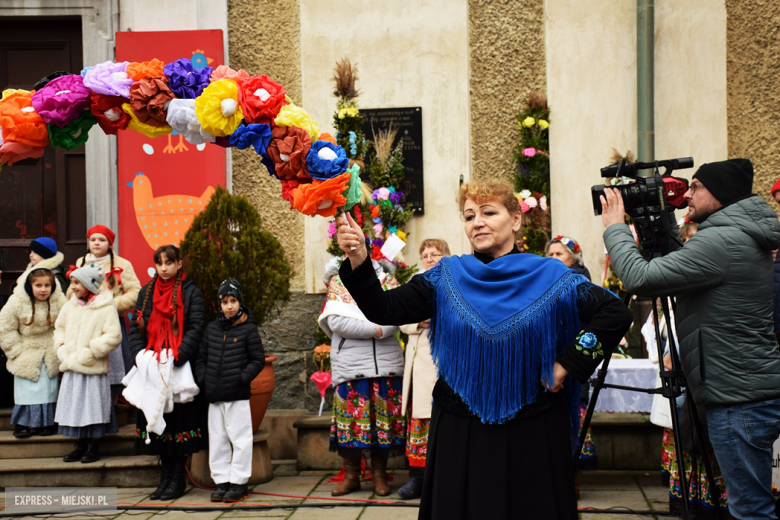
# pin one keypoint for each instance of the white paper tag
(392, 247)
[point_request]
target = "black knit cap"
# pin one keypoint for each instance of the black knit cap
(231, 287)
(728, 181)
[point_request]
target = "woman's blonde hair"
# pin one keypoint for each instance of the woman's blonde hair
(437, 243)
(489, 190)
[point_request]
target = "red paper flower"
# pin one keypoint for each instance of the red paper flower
(288, 150)
(376, 253)
(261, 98)
(108, 112)
(287, 191)
(374, 211)
(148, 97)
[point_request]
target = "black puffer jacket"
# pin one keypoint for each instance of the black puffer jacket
(230, 357)
(194, 320)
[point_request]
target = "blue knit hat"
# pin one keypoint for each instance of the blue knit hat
(44, 246)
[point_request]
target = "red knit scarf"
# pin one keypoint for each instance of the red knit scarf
(159, 332)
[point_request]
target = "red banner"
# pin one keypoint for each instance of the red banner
(164, 182)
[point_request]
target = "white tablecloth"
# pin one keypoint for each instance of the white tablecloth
(637, 373)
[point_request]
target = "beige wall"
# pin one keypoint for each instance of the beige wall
(408, 54)
(753, 67)
(591, 78)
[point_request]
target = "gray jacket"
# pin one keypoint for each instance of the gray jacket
(723, 280)
(356, 352)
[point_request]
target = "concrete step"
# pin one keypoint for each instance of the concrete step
(57, 446)
(5, 419)
(119, 471)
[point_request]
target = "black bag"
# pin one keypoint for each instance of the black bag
(690, 443)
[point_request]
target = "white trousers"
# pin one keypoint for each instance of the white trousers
(230, 442)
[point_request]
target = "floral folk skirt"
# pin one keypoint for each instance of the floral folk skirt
(696, 476)
(367, 418)
(589, 460)
(186, 430)
(417, 441)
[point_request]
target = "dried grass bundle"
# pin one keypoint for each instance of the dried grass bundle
(345, 77)
(617, 157)
(536, 103)
(383, 142)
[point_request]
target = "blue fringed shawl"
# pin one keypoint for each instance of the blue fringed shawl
(498, 327)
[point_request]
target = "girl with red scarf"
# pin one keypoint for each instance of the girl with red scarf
(169, 315)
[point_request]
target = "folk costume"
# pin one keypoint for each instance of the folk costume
(186, 428)
(367, 379)
(27, 339)
(498, 325)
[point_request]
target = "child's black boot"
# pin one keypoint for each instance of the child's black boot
(78, 451)
(166, 468)
(178, 485)
(93, 452)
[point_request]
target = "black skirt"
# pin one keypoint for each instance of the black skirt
(186, 430)
(519, 469)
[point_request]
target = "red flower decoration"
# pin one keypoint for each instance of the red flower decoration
(288, 150)
(261, 98)
(376, 253)
(148, 98)
(287, 191)
(108, 112)
(374, 211)
(358, 215)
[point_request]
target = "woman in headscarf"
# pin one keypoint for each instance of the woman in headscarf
(511, 335)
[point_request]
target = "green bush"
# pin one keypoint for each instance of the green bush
(227, 241)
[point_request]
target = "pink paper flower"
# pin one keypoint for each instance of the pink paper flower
(529, 152)
(62, 100)
(383, 193)
(378, 229)
(543, 203)
(524, 207)
(531, 202)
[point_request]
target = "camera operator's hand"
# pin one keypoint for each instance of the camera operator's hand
(668, 362)
(612, 210)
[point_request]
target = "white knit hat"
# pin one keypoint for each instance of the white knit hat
(91, 277)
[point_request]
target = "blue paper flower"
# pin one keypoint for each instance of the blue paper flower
(269, 165)
(186, 81)
(326, 160)
(588, 340)
(377, 220)
(85, 70)
(256, 134)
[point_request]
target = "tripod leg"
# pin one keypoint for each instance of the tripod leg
(715, 491)
(602, 374)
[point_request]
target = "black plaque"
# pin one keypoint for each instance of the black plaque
(408, 121)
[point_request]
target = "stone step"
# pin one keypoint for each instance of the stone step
(5, 419)
(111, 471)
(57, 446)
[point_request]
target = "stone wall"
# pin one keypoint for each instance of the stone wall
(752, 68)
(265, 38)
(507, 62)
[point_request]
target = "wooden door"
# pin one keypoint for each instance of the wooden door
(44, 196)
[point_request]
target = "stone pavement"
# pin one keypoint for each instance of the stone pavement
(636, 491)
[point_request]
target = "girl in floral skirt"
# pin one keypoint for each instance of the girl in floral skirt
(367, 364)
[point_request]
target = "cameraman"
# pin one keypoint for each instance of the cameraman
(723, 281)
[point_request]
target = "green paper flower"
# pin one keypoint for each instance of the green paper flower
(353, 192)
(73, 135)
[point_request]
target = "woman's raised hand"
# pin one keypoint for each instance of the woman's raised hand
(351, 239)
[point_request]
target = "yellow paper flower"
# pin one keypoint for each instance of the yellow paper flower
(7, 92)
(348, 112)
(529, 121)
(544, 125)
(217, 108)
(144, 128)
(291, 115)
(400, 234)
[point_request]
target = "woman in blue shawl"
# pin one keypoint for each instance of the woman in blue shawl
(508, 332)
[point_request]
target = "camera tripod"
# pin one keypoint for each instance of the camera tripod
(671, 383)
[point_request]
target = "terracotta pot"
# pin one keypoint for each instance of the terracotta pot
(262, 388)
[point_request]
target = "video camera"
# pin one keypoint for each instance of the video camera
(648, 200)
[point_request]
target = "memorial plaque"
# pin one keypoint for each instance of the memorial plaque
(408, 121)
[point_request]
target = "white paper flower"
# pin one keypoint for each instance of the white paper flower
(532, 202)
(543, 203)
(525, 194)
(181, 116)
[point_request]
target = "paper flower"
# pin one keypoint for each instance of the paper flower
(7, 92)
(374, 211)
(529, 121)
(524, 207)
(11, 152)
(144, 128)
(256, 135)
(400, 234)
(223, 141)
(531, 202)
(73, 135)
(326, 160)
(353, 191)
(138, 71)
(543, 203)
(149, 98)
(291, 115)
(217, 108)
(225, 72)
(332, 231)
(321, 197)
(186, 81)
(378, 228)
(381, 194)
(20, 122)
(109, 78)
(325, 136)
(108, 112)
(396, 197)
(261, 98)
(524, 194)
(62, 100)
(41, 83)
(287, 191)
(376, 251)
(85, 70)
(288, 150)
(529, 152)
(544, 125)
(181, 116)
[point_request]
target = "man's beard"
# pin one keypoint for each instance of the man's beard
(701, 214)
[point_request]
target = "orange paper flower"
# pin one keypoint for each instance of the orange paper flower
(20, 122)
(321, 197)
(138, 71)
(325, 136)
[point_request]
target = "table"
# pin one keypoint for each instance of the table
(637, 373)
